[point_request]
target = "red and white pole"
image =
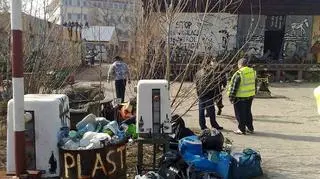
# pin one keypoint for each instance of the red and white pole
(18, 86)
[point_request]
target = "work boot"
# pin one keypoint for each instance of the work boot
(250, 131)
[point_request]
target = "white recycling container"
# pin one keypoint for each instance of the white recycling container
(45, 114)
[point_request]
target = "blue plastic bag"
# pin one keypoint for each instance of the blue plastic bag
(190, 149)
(191, 144)
(223, 162)
(246, 165)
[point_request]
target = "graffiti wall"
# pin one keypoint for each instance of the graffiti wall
(297, 37)
(216, 34)
(251, 34)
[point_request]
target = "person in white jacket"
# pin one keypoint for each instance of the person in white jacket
(119, 70)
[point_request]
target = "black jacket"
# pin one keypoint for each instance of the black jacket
(209, 83)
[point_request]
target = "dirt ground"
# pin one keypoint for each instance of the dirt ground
(287, 131)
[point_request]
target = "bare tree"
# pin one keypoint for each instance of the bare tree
(160, 55)
(50, 55)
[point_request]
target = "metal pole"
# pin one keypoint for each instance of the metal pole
(18, 86)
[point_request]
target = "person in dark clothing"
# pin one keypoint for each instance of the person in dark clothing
(241, 92)
(207, 89)
(222, 83)
(92, 57)
(120, 71)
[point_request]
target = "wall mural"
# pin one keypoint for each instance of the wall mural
(218, 34)
(297, 37)
(251, 34)
(275, 23)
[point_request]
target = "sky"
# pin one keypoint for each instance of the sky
(31, 7)
(35, 7)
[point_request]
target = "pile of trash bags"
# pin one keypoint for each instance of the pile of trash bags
(94, 132)
(204, 156)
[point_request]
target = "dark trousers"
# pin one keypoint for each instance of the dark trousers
(242, 110)
(219, 101)
(207, 103)
(120, 89)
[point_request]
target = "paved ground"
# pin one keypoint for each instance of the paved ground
(287, 130)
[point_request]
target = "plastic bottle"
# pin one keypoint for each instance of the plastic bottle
(121, 135)
(99, 127)
(88, 128)
(108, 131)
(73, 135)
(63, 135)
(103, 121)
(71, 145)
(90, 118)
(132, 131)
(113, 126)
(87, 137)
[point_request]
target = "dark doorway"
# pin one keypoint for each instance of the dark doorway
(273, 43)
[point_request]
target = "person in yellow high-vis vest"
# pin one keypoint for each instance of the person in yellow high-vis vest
(241, 91)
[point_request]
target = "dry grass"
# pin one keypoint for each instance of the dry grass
(3, 152)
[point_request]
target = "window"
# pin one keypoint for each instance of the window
(79, 16)
(85, 17)
(74, 17)
(84, 3)
(69, 16)
(78, 3)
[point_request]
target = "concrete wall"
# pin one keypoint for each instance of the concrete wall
(251, 34)
(297, 37)
(217, 35)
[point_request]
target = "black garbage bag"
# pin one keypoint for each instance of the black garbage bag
(149, 175)
(179, 131)
(179, 128)
(172, 166)
(212, 140)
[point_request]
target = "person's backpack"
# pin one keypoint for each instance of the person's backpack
(246, 165)
(212, 140)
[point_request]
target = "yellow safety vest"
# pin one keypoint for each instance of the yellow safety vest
(247, 87)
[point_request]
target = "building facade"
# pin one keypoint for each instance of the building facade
(122, 14)
(64, 11)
